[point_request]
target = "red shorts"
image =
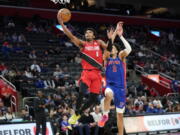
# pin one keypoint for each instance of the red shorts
(93, 79)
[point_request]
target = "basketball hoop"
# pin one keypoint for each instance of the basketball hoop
(61, 1)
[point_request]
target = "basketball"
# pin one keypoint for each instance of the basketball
(65, 14)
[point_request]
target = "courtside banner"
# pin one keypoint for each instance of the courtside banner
(22, 129)
(151, 123)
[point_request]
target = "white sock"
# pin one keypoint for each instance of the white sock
(106, 112)
(102, 108)
(102, 105)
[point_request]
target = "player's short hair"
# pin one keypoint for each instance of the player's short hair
(110, 27)
(91, 29)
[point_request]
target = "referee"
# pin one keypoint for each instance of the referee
(39, 111)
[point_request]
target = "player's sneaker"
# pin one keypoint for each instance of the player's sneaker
(73, 119)
(103, 120)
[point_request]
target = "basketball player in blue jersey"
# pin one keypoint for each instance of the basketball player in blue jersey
(115, 78)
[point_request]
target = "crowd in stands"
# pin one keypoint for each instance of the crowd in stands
(59, 79)
(59, 109)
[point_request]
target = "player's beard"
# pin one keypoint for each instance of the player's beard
(89, 39)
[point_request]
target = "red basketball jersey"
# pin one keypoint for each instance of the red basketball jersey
(94, 51)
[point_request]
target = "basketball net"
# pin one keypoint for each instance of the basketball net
(61, 1)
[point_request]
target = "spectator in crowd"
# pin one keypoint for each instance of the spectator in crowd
(29, 27)
(139, 101)
(14, 38)
(9, 114)
(6, 97)
(96, 114)
(25, 115)
(43, 67)
(86, 122)
(28, 47)
(2, 107)
(150, 108)
(68, 44)
(58, 72)
(77, 59)
(18, 49)
(158, 108)
(141, 110)
(6, 50)
(57, 82)
(57, 50)
(32, 54)
(66, 71)
(146, 91)
(28, 74)
(2, 116)
(175, 85)
(7, 37)
(140, 89)
(65, 126)
(11, 74)
(46, 55)
(21, 38)
(18, 79)
(11, 24)
(34, 29)
(51, 50)
(50, 102)
(41, 29)
(129, 109)
(3, 69)
(97, 117)
(69, 83)
(171, 37)
(35, 68)
(39, 83)
(49, 84)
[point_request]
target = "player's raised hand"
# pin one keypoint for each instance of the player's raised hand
(110, 32)
(119, 28)
(60, 20)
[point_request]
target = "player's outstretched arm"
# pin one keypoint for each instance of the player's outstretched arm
(73, 38)
(111, 34)
(128, 49)
(102, 44)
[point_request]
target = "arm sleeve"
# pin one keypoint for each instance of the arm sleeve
(126, 44)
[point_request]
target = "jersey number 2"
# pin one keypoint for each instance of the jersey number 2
(114, 68)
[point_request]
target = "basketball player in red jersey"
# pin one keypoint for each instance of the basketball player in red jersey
(92, 61)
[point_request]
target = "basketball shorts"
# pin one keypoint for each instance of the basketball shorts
(92, 78)
(119, 97)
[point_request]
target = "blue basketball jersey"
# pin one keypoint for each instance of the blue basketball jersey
(116, 72)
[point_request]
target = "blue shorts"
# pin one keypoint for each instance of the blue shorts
(119, 96)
